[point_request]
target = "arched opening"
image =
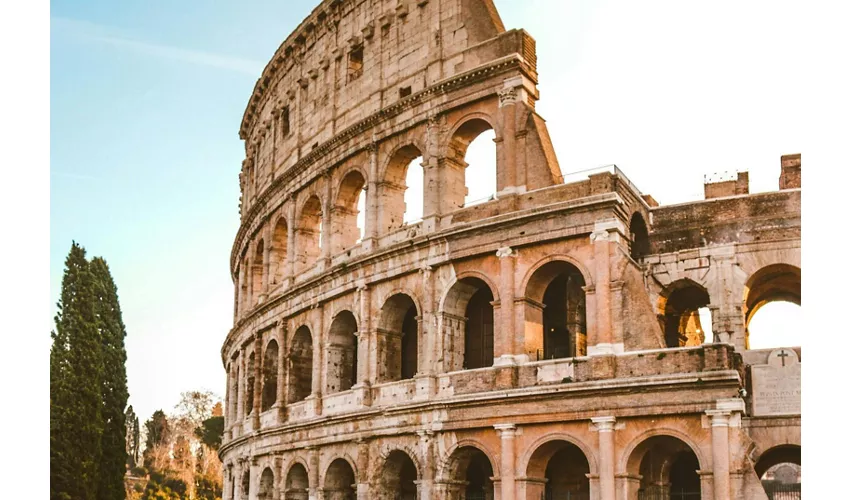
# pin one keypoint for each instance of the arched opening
(346, 212)
(300, 365)
(564, 467)
(639, 245)
(668, 468)
(308, 244)
(246, 485)
(266, 491)
(468, 323)
(473, 473)
(780, 472)
(340, 481)
(277, 253)
(398, 335)
(270, 375)
(470, 165)
(401, 196)
(772, 313)
(684, 307)
(555, 312)
(398, 477)
(234, 400)
(342, 353)
(297, 485)
(257, 274)
(245, 275)
(250, 372)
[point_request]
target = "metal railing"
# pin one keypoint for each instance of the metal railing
(780, 491)
(668, 494)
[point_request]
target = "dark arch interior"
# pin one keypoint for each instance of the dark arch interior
(296, 483)
(277, 255)
(398, 477)
(340, 481)
(668, 469)
(342, 353)
(266, 485)
(777, 455)
(564, 467)
(560, 329)
(478, 335)
(640, 237)
(309, 233)
(301, 365)
(246, 483)
(270, 375)
(475, 470)
(400, 329)
(250, 372)
(681, 319)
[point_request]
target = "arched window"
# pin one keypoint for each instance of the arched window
(667, 467)
(558, 329)
(565, 468)
(277, 253)
(250, 371)
(266, 485)
(640, 237)
(246, 484)
(470, 467)
(470, 165)
(469, 322)
(684, 306)
(257, 274)
(245, 299)
(300, 365)
(400, 328)
(297, 484)
(780, 471)
(398, 477)
(401, 192)
(342, 353)
(270, 375)
(772, 314)
(309, 234)
(339, 481)
(346, 212)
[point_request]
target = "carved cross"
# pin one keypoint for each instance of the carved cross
(782, 355)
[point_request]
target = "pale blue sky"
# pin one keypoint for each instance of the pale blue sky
(147, 98)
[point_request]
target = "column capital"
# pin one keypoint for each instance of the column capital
(719, 418)
(505, 252)
(505, 430)
(604, 424)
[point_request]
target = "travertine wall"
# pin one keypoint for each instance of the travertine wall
(350, 362)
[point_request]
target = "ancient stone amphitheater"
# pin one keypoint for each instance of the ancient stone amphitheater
(543, 344)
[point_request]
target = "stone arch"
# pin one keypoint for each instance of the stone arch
(469, 321)
(494, 287)
(639, 241)
(277, 252)
(679, 305)
(245, 277)
(463, 134)
(341, 362)
(270, 357)
(300, 365)
(266, 489)
(627, 456)
(345, 232)
(297, 483)
(392, 187)
(308, 233)
(474, 116)
(467, 471)
(790, 453)
(558, 468)
(524, 460)
(246, 484)
(555, 310)
(339, 480)
(398, 476)
(667, 465)
(772, 283)
(257, 272)
(398, 337)
(250, 374)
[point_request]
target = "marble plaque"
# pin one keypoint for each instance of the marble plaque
(776, 385)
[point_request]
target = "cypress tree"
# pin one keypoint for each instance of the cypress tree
(110, 327)
(75, 386)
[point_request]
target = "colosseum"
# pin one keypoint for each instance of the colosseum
(543, 344)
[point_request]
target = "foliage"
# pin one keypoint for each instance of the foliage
(131, 423)
(111, 332)
(211, 431)
(76, 374)
(158, 431)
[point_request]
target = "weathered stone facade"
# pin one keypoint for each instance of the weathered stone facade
(545, 343)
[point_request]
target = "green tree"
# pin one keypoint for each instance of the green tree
(131, 424)
(157, 429)
(113, 384)
(76, 371)
(210, 432)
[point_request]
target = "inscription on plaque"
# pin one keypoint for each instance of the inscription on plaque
(776, 385)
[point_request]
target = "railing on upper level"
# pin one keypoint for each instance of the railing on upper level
(581, 175)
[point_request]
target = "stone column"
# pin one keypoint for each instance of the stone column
(432, 182)
(327, 223)
(266, 262)
(506, 173)
(258, 379)
(426, 483)
(318, 363)
(364, 372)
(253, 479)
(250, 277)
(291, 226)
(281, 373)
(313, 473)
(504, 345)
(240, 386)
(370, 232)
(605, 428)
(240, 299)
(720, 452)
(227, 417)
(362, 479)
(605, 235)
(507, 476)
(237, 480)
